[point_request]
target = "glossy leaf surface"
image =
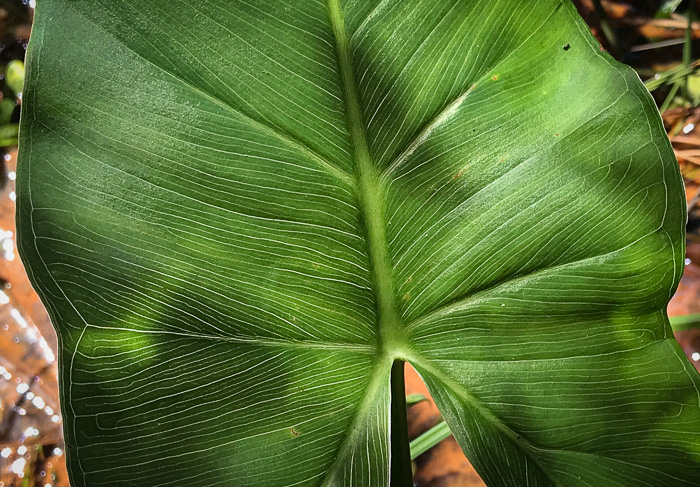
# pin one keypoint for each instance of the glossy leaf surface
(240, 213)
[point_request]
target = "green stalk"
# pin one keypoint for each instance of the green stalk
(670, 97)
(685, 323)
(401, 474)
(412, 399)
(429, 439)
(687, 47)
(670, 76)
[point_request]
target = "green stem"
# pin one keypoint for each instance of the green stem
(429, 439)
(687, 48)
(412, 399)
(670, 76)
(685, 323)
(669, 98)
(401, 475)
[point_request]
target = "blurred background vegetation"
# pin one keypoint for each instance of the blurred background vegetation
(659, 39)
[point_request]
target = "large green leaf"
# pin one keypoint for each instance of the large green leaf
(241, 213)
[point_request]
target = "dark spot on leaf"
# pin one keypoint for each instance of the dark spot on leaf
(458, 175)
(556, 135)
(567, 46)
(294, 432)
(408, 280)
(495, 77)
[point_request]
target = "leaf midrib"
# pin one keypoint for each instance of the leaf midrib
(370, 190)
(370, 193)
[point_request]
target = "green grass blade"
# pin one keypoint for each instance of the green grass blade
(429, 439)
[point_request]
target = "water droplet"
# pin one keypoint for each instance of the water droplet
(38, 402)
(17, 466)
